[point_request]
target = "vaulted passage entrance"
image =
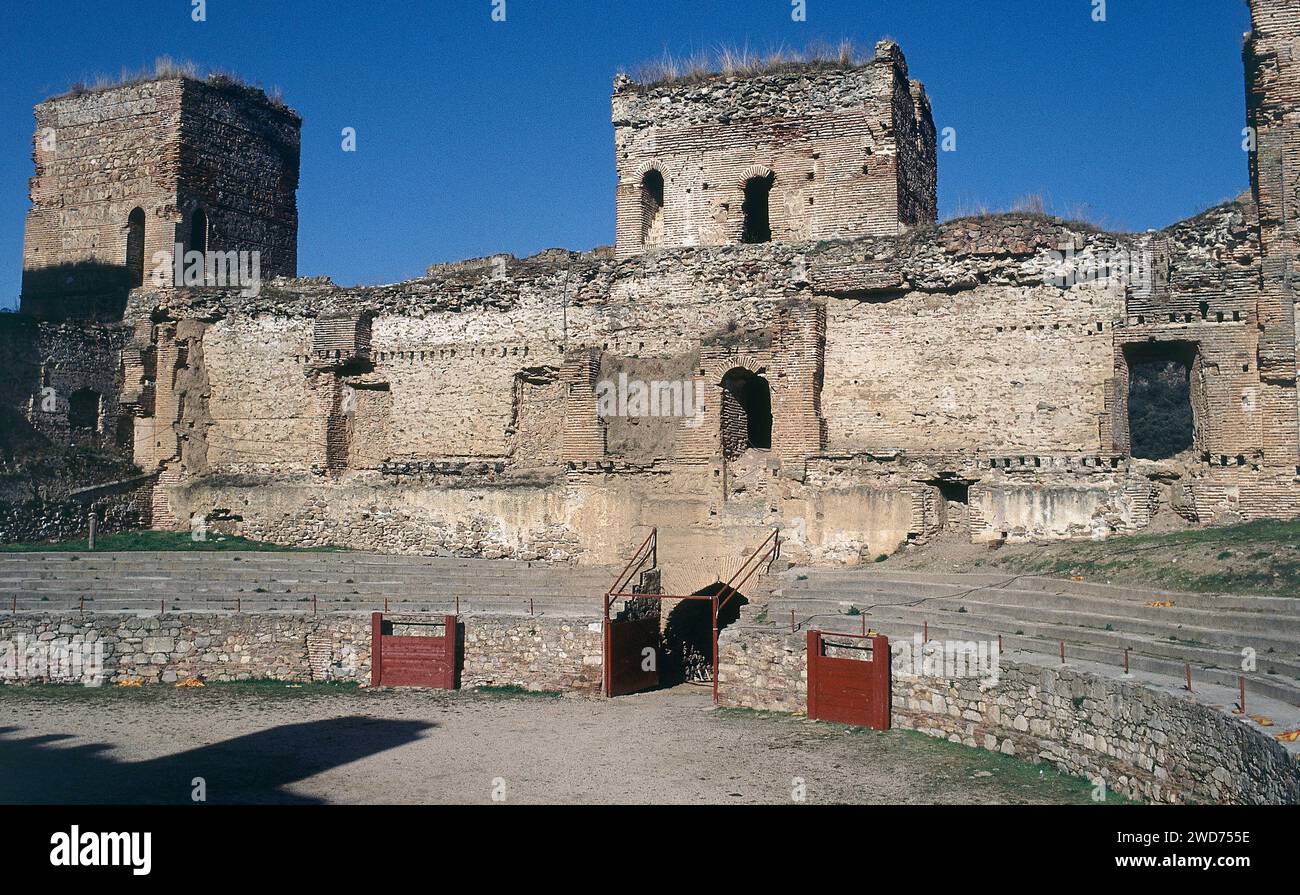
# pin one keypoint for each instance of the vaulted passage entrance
(1161, 412)
(746, 412)
(688, 636)
(638, 653)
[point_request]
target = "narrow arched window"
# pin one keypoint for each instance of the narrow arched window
(135, 249)
(198, 231)
(652, 207)
(758, 222)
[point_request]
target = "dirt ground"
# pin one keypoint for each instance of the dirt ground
(270, 743)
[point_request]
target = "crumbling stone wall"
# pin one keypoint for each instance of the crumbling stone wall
(166, 148)
(923, 378)
(1010, 385)
(848, 151)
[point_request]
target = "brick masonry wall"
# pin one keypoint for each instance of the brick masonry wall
(895, 358)
(98, 156)
(1144, 744)
(165, 147)
(1272, 55)
(845, 148)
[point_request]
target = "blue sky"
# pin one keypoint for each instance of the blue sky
(475, 136)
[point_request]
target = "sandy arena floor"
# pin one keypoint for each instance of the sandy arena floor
(271, 743)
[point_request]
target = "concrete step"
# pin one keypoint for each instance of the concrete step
(1207, 646)
(1082, 611)
(868, 578)
(1045, 652)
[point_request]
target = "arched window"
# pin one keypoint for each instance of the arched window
(746, 412)
(758, 223)
(135, 249)
(198, 231)
(83, 410)
(652, 207)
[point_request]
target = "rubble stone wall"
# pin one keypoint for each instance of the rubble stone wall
(535, 653)
(1144, 744)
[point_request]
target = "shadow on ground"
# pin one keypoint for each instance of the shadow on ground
(249, 769)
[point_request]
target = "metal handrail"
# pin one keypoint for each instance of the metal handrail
(650, 548)
(733, 587)
(763, 552)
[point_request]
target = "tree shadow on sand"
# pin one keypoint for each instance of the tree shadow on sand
(249, 769)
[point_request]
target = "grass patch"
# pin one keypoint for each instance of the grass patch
(162, 541)
(976, 765)
(514, 690)
(1260, 557)
(740, 711)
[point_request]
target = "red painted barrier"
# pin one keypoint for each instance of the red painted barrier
(851, 691)
(400, 661)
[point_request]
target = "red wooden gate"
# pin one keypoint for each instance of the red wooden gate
(851, 691)
(400, 661)
(627, 667)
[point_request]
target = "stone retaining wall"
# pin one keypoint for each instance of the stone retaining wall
(536, 653)
(1145, 744)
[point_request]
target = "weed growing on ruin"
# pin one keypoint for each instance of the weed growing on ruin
(742, 61)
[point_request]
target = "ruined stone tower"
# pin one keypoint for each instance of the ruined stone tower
(787, 155)
(1273, 110)
(127, 172)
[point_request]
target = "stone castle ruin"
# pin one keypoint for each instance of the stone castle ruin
(782, 334)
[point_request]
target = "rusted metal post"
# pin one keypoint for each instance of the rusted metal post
(714, 601)
(999, 644)
(925, 631)
(457, 604)
(1062, 652)
(81, 605)
(1126, 650)
(530, 605)
(864, 625)
(162, 607)
(385, 605)
(792, 627)
(376, 648)
(1187, 666)
(313, 604)
(13, 605)
(1241, 684)
(606, 674)
(238, 605)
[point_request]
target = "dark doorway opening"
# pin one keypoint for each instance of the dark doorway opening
(953, 510)
(83, 410)
(652, 206)
(756, 210)
(198, 231)
(953, 491)
(746, 412)
(135, 249)
(125, 435)
(1161, 419)
(688, 636)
